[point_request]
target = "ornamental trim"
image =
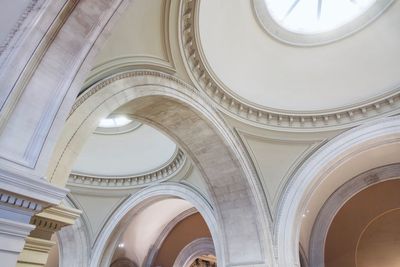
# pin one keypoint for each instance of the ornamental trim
(242, 109)
(132, 181)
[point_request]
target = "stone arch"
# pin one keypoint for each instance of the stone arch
(337, 200)
(149, 260)
(74, 241)
(185, 115)
(193, 250)
(107, 241)
(320, 173)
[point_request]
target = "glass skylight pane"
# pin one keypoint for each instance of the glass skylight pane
(304, 16)
(112, 122)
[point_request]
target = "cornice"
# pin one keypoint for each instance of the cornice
(242, 109)
(36, 189)
(134, 181)
(13, 228)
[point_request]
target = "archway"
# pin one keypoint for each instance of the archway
(351, 153)
(339, 199)
(182, 113)
(108, 239)
(197, 248)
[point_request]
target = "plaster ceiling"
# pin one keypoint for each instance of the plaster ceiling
(359, 163)
(141, 150)
(146, 227)
(261, 70)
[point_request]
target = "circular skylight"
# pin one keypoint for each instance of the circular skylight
(114, 121)
(315, 22)
(117, 124)
(316, 16)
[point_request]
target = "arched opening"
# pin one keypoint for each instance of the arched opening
(343, 158)
(176, 109)
(363, 232)
(154, 225)
(349, 221)
(157, 233)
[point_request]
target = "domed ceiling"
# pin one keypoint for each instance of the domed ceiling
(258, 69)
(140, 150)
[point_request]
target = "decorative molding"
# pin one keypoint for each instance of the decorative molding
(88, 92)
(19, 202)
(242, 109)
(196, 248)
(337, 200)
(153, 251)
(123, 64)
(35, 188)
(31, 6)
(13, 235)
(170, 169)
(130, 62)
(15, 229)
(35, 252)
(52, 219)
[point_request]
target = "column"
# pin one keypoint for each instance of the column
(38, 244)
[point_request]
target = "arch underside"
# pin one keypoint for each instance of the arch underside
(183, 115)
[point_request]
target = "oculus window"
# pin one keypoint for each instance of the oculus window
(315, 22)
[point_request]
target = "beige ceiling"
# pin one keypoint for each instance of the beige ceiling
(141, 150)
(146, 226)
(264, 71)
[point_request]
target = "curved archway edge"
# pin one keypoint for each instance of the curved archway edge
(338, 199)
(186, 116)
(196, 248)
(108, 238)
(316, 170)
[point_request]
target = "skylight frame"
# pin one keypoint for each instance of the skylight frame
(117, 124)
(275, 29)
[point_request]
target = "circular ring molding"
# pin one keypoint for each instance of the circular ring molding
(308, 36)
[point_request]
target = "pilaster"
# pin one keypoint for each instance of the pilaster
(12, 240)
(35, 252)
(22, 195)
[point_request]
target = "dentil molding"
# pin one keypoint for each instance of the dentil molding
(242, 109)
(134, 181)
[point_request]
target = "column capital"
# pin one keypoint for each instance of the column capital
(52, 219)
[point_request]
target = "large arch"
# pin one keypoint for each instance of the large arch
(341, 159)
(182, 113)
(107, 241)
(337, 200)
